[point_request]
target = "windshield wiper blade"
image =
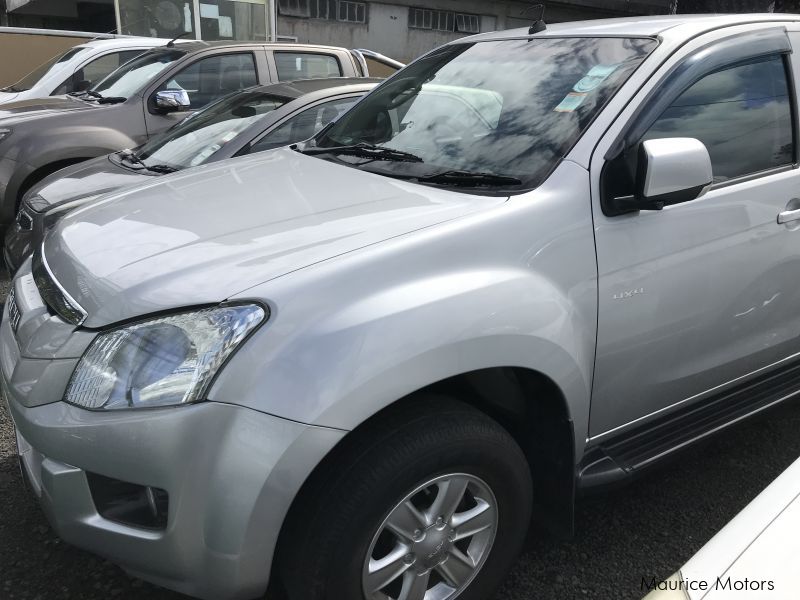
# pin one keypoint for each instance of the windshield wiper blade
(365, 151)
(161, 168)
(469, 179)
(133, 157)
(105, 99)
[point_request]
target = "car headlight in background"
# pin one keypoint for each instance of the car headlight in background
(4, 133)
(165, 361)
(36, 203)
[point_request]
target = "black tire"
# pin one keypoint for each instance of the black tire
(330, 531)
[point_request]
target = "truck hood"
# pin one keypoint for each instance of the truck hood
(205, 235)
(8, 97)
(36, 108)
(86, 179)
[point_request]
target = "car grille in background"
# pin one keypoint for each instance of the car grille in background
(24, 221)
(57, 300)
(13, 310)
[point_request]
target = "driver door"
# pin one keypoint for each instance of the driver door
(698, 299)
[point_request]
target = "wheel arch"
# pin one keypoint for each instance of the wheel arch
(526, 403)
(45, 171)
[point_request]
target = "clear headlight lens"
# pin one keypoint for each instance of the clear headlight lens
(36, 204)
(164, 361)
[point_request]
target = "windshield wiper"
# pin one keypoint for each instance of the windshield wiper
(105, 99)
(161, 168)
(134, 158)
(365, 150)
(131, 156)
(468, 179)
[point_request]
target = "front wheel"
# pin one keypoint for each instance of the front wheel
(434, 501)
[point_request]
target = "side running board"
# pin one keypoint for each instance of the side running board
(614, 461)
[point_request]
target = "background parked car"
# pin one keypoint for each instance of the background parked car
(30, 47)
(144, 97)
(755, 555)
(254, 120)
(78, 68)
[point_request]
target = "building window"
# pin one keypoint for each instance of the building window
(468, 23)
(420, 18)
(443, 20)
(352, 12)
(294, 8)
(320, 9)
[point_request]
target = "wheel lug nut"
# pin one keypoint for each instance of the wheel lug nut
(410, 559)
(417, 535)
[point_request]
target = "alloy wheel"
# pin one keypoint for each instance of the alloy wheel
(433, 542)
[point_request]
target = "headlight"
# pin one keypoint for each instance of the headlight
(36, 203)
(164, 361)
(4, 133)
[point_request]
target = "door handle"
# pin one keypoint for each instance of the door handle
(788, 216)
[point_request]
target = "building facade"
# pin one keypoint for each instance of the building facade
(402, 29)
(405, 29)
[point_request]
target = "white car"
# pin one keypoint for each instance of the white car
(755, 555)
(78, 68)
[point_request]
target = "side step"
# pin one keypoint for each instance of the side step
(617, 459)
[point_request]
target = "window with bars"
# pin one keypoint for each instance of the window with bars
(420, 18)
(443, 20)
(294, 8)
(352, 12)
(468, 23)
(320, 9)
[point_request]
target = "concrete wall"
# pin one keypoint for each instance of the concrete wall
(387, 30)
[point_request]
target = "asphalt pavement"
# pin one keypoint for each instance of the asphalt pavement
(645, 530)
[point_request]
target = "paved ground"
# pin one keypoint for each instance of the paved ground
(648, 529)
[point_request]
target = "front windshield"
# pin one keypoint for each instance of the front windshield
(495, 114)
(135, 74)
(32, 78)
(197, 138)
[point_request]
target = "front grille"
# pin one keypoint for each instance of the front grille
(24, 220)
(56, 299)
(14, 315)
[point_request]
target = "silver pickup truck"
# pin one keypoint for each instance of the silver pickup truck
(529, 266)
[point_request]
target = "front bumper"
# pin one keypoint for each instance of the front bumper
(230, 472)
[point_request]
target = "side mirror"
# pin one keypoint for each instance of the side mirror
(168, 101)
(670, 171)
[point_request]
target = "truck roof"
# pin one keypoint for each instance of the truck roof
(195, 45)
(651, 26)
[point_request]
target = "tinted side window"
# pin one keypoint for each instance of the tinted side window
(210, 78)
(304, 65)
(742, 115)
(96, 70)
(304, 125)
(105, 65)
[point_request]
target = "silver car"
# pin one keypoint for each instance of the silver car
(530, 266)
